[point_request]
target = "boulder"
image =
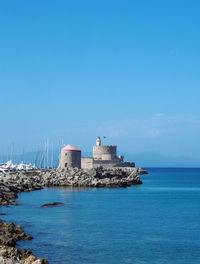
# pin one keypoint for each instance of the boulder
(51, 204)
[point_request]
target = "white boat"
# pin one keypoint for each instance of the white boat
(26, 167)
(10, 167)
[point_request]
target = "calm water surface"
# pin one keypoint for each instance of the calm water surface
(157, 222)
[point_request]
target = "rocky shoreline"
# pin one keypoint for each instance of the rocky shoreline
(9, 254)
(11, 184)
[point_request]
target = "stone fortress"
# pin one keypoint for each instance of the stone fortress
(103, 156)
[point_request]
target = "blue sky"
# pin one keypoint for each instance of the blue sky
(75, 70)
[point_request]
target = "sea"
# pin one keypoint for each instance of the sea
(156, 222)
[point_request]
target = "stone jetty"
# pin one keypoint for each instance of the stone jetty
(14, 183)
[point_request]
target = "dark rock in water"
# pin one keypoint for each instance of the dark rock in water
(51, 204)
(3, 214)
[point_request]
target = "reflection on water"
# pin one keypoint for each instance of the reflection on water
(157, 222)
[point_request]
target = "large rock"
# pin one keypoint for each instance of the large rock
(51, 204)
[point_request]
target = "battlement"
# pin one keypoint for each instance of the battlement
(104, 152)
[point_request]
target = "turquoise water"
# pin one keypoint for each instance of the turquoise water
(157, 222)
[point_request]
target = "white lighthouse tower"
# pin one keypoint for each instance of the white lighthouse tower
(98, 141)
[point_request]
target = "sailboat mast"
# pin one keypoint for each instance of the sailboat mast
(47, 154)
(44, 154)
(52, 155)
(40, 160)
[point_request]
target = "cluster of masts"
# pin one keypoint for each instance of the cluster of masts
(44, 158)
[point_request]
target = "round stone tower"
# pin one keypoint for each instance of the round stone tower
(70, 157)
(104, 152)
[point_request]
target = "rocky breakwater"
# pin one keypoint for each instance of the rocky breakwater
(104, 178)
(11, 184)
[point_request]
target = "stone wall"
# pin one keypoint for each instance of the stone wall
(86, 163)
(104, 152)
(112, 163)
(105, 163)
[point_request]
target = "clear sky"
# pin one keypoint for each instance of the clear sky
(129, 70)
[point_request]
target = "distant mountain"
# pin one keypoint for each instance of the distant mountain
(151, 159)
